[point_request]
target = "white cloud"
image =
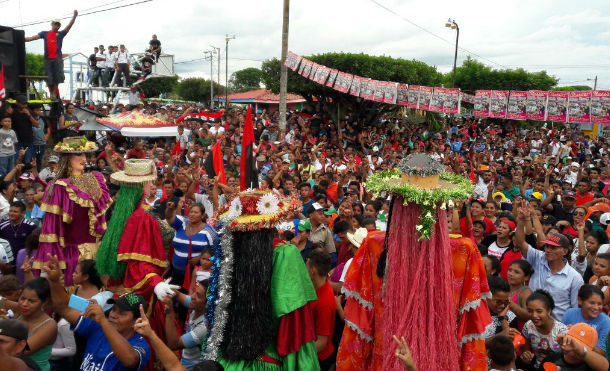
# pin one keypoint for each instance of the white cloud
(521, 32)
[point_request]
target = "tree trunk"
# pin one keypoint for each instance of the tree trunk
(283, 70)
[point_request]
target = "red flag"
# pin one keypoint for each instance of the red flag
(2, 90)
(177, 150)
(247, 172)
(214, 165)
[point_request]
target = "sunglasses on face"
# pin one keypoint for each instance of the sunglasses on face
(501, 302)
(579, 213)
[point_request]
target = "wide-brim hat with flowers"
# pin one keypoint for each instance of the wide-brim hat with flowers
(257, 209)
(135, 171)
(75, 145)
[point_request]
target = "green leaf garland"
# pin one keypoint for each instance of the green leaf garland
(427, 199)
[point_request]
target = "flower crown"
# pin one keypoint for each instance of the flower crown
(257, 209)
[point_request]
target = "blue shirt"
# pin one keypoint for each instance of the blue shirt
(203, 239)
(59, 40)
(563, 285)
(98, 352)
(601, 324)
(456, 147)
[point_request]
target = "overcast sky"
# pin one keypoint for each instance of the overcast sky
(569, 39)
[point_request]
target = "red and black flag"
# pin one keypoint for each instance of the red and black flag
(214, 164)
(247, 171)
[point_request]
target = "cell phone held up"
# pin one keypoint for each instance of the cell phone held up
(78, 303)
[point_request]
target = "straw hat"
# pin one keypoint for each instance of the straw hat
(75, 145)
(357, 237)
(257, 209)
(136, 171)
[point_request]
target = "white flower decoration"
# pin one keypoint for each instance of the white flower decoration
(419, 227)
(268, 204)
(235, 209)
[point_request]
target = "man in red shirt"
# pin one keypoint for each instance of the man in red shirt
(53, 59)
(583, 196)
(324, 308)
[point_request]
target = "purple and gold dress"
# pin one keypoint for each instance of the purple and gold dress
(74, 220)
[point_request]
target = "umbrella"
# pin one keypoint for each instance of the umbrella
(133, 119)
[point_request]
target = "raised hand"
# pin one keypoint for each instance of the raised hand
(51, 268)
(26, 267)
(403, 353)
(142, 326)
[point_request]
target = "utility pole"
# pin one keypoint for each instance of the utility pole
(594, 82)
(217, 51)
(451, 23)
(211, 78)
(283, 69)
(227, 38)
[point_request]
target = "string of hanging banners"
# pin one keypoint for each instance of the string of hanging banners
(558, 106)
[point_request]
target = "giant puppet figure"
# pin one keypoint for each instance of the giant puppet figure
(74, 204)
(132, 252)
(260, 292)
(416, 281)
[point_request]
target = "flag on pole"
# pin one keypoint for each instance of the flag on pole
(2, 89)
(214, 164)
(247, 172)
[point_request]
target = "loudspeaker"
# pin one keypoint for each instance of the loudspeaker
(12, 58)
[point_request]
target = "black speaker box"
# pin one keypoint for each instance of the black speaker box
(12, 58)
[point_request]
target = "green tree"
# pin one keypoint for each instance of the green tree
(573, 88)
(380, 68)
(473, 75)
(157, 85)
(246, 79)
(34, 64)
(197, 89)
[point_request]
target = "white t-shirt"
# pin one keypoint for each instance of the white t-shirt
(495, 250)
(345, 268)
(100, 64)
(536, 144)
(122, 57)
(110, 60)
(217, 131)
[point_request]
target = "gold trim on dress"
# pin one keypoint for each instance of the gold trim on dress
(52, 238)
(142, 258)
(88, 250)
(57, 210)
(137, 286)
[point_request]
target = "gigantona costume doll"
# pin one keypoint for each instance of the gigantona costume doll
(74, 204)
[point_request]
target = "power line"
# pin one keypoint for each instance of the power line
(67, 15)
(433, 34)
(97, 11)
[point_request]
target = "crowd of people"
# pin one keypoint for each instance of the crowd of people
(539, 215)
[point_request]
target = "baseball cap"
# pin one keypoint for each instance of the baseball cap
(575, 164)
(26, 176)
(604, 219)
(557, 239)
(583, 334)
(548, 219)
(56, 21)
(568, 193)
(537, 195)
(330, 211)
(315, 207)
(53, 158)
(304, 225)
(130, 302)
(15, 329)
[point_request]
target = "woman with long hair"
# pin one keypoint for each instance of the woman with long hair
(590, 311)
(519, 273)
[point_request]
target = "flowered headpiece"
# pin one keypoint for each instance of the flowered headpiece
(257, 209)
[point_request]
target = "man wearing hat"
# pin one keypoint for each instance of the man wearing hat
(112, 343)
(50, 171)
(551, 269)
(577, 351)
(13, 342)
(563, 211)
(53, 61)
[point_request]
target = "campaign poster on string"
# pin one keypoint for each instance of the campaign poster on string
(307, 69)
(356, 86)
(452, 100)
(579, 106)
(516, 105)
(379, 91)
(425, 95)
(437, 100)
(304, 63)
(468, 98)
(498, 103)
(600, 106)
(367, 90)
(481, 103)
(390, 93)
(402, 92)
(347, 82)
(557, 106)
(332, 76)
(323, 75)
(413, 96)
(340, 81)
(536, 105)
(315, 72)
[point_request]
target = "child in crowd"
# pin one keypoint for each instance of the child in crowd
(503, 321)
(589, 311)
(542, 330)
(501, 353)
(601, 275)
(8, 139)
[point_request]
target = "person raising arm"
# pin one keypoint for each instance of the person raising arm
(112, 343)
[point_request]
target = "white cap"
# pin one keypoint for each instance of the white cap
(604, 219)
(576, 164)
